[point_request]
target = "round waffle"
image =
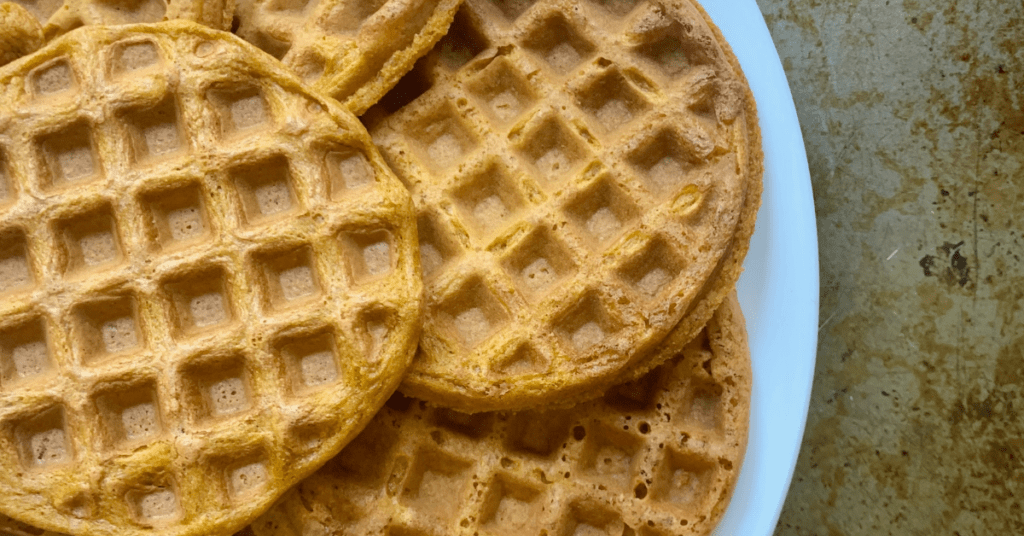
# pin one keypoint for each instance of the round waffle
(586, 176)
(656, 457)
(352, 50)
(209, 281)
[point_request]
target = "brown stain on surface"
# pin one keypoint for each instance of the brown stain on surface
(913, 119)
(948, 264)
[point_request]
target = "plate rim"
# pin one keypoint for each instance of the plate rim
(780, 274)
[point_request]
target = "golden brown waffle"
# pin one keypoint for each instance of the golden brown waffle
(209, 281)
(587, 176)
(656, 457)
(59, 16)
(352, 50)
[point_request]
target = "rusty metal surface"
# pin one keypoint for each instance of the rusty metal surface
(913, 116)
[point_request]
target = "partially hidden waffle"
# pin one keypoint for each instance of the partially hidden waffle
(53, 18)
(352, 50)
(656, 457)
(586, 176)
(209, 281)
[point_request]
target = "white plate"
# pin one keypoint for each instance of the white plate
(779, 286)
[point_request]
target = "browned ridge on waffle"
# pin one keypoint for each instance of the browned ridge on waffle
(209, 281)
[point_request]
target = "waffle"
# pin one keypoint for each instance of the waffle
(57, 17)
(352, 50)
(209, 281)
(586, 176)
(656, 457)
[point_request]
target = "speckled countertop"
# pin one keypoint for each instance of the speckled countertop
(913, 117)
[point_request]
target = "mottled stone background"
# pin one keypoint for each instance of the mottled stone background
(913, 117)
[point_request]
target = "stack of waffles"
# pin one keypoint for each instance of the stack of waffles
(371, 267)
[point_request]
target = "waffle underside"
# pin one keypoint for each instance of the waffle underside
(586, 175)
(208, 275)
(659, 456)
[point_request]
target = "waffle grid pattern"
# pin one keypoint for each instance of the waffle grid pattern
(581, 247)
(208, 279)
(352, 50)
(57, 17)
(655, 457)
